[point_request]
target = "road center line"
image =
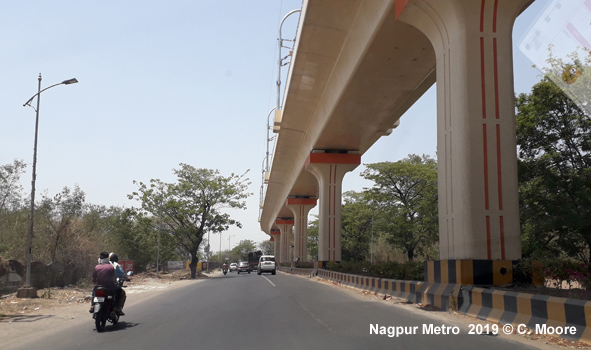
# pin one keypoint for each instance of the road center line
(268, 280)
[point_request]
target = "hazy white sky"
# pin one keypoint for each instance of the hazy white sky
(163, 83)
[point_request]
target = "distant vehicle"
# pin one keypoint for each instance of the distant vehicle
(267, 264)
(253, 259)
(233, 267)
(243, 267)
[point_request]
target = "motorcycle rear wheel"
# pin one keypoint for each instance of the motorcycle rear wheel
(100, 320)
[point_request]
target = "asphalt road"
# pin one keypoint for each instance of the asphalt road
(247, 311)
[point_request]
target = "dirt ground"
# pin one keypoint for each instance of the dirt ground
(20, 317)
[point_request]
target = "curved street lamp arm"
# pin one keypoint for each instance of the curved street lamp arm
(268, 139)
(284, 18)
(65, 82)
(280, 43)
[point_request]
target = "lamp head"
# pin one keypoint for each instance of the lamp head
(70, 81)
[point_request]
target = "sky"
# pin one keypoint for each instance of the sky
(163, 83)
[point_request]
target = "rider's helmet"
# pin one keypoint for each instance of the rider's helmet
(113, 257)
(103, 258)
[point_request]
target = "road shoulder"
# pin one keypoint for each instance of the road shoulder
(33, 318)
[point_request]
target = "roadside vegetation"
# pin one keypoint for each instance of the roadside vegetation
(193, 206)
(554, 145)
(69, 232)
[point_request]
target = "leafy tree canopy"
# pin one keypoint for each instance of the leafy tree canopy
(267, 247)
(405, 192)
(554, 143)
(358, 215)
(241, 250)
(10, 188)
(194, 205)
(313, 237)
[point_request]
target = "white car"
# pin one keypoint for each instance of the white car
(233, 267)
(267, 264)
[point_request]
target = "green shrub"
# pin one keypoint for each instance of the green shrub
(553, 269)
(306, 265)
(413, 271)
(409, 270)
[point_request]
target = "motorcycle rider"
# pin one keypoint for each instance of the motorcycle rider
(225, 266)
(104, 275)
(119, 273)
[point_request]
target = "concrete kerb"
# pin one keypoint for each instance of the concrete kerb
(534, 311)
(396, 288)
(401, 289)
(298, 271)
(445, 296)
(497, 306)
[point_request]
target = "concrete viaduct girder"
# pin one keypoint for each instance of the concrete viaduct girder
(359, 65)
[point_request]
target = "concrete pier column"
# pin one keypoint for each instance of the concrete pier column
(276, 237)
(300, 207)
(476, 143)
(329, 169)
(285, 226)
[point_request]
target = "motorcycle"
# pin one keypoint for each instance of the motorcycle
(104, 308)
(225, 269)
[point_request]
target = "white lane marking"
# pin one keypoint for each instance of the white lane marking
(268, 280)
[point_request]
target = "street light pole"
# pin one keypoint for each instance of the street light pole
(32, 219)
(280, 60)
(220, 249)
(229, 247)
(159, 232)
(208, 251)
(269, 139)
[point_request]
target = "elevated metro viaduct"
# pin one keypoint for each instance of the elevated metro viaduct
(357, 67)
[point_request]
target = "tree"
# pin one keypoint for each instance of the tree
(62, 238)
(135, 237)
(406, 194)
(10, 188)
(240, 251)
(313, 238)
(554, 144)
(357, 218)
(62, 212)
(12, 208)
(267, 247)
(194, 205)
